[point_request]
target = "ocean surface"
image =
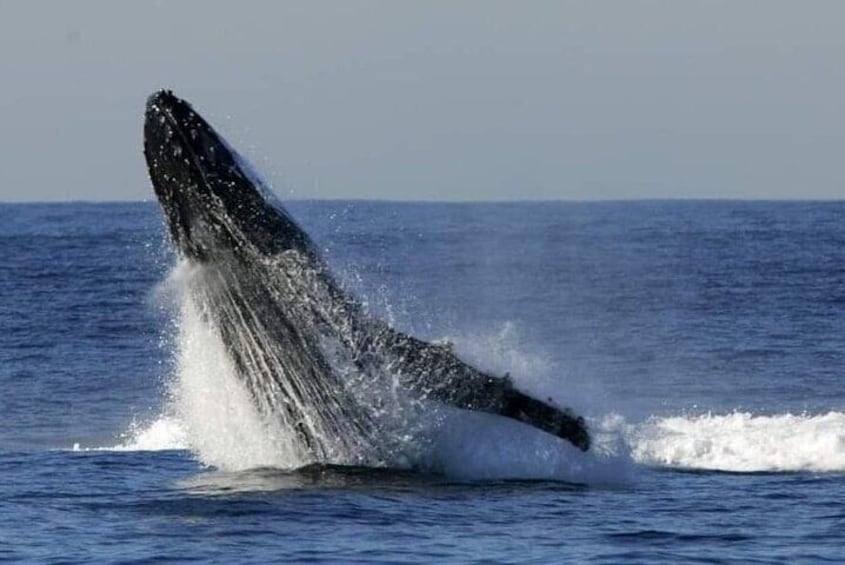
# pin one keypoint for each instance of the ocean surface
(703, 341)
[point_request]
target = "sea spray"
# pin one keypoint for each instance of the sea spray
(225, 427)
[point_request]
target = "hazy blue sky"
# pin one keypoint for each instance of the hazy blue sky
(436, 100)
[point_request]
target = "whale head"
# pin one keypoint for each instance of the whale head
(213, 202)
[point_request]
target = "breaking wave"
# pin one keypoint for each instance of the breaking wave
(743, 442)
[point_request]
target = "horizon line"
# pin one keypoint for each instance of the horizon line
(464, 201)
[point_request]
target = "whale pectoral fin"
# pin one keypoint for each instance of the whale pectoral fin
(434, 372)
(558, 422)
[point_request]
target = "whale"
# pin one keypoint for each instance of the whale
(308, 351)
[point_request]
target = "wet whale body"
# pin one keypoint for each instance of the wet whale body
(307, 351)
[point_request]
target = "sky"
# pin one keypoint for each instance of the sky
(435, 100)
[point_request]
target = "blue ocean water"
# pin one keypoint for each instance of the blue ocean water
(704, 341)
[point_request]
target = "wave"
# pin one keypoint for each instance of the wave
(742, 442)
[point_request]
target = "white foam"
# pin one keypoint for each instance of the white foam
(742, 442)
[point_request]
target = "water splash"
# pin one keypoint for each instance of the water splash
(226, 431)
(223, 425)
(229, 427)
(211, 412)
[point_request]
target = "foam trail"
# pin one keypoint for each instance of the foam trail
(743, 442)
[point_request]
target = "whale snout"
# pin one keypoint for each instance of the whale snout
(177, 145)
(176, 137)
(213, 202)
(163, 98)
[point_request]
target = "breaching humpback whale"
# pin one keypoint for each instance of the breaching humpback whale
(285, 321)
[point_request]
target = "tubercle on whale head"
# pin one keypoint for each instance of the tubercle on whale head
(212, 200)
